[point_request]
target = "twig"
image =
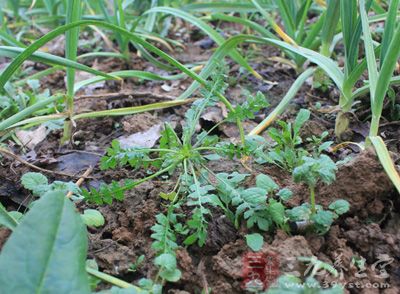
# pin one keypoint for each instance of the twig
(43, 170)
(81, 179)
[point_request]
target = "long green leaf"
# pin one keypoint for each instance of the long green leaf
(369, 51)
(47, 251)
(390, 26)
(128, 74)
(219, 7)
(386, 73)
(74, 11)
(27, 112)
(12, 52)
(16, 63)
(132, 110)
(280, 108)
(206, 29)
(332, 70)
(330, 24)
(386, 160)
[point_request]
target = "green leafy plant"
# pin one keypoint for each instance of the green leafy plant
(312, 170)
(287, 153)
(260, 206)
(39, 184)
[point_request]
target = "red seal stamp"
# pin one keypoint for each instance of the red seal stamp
(259, 270)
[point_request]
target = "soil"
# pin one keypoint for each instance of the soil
(368, 231)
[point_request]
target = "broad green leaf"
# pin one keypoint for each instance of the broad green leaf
(386, 161)
(7, 219)
(47, 251)
(340, 206)
(277, 211)
(285, 194)
(93, 218)
(31, 180)
(255, 241)
(301, 118)
(266, 182)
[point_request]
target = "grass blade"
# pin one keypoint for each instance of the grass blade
(27, 111)
(386, 160)
(369, 51)
(390, 25)
(129, 74)
(330, 67)
(280, 108)
(50, 59)
(206, 29)
(132, 110)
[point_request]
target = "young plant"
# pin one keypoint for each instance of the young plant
(313, 170)
(187, 155)
(301, 217)
(286, 153)
(261, 206)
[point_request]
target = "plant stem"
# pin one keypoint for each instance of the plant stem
(374, 128)
(312, 200)
(112, 280)
(238, 121)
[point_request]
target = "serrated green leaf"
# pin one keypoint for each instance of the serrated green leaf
(285, 194)
(340, 206)
(166, 260)
(266, 182)
(277, 212)
(32, 181)
(254, 241)
(45, 265)
(301, 118)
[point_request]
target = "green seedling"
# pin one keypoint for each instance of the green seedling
(261, 206)
(39, 185)
(313, 170)
(186, 156)
(302, 218)
(287, 152)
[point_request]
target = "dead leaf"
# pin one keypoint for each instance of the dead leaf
(213, 114)
(145, 139)
(31, 138)
(76, 162)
